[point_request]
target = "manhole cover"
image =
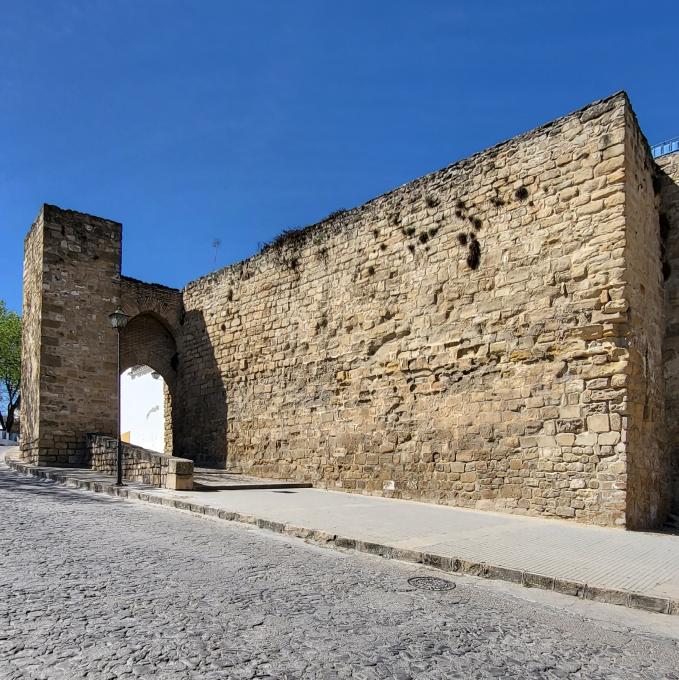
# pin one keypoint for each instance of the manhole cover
(430, 583)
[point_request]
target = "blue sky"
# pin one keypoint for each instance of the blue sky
(195, 120)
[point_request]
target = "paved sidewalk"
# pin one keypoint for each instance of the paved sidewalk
(612, 565)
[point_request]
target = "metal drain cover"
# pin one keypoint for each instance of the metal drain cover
(430, 583)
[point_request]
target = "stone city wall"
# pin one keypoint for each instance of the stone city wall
(645, 470)
(140, 465)
(462, 339)
(668, 179)
(487, 336)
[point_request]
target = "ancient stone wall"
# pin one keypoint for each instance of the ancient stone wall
(72, 270)
(30, 356)
(145, 341)
(162, 302)
(668, 184)
(647, 466)
(487, 336)
(456, 340)
(140, 465)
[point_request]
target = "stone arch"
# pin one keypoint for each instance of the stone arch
(164, 303)
(148, 341)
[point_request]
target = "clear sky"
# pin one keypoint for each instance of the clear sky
(211, 119)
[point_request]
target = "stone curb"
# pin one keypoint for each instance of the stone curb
(447, 564)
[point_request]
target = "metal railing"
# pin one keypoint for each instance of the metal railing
(662, 149)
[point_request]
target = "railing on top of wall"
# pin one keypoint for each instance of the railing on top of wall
(668, 146)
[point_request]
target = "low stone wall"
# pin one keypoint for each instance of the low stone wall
(140, 465)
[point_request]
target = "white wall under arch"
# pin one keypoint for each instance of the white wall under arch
(142, 408)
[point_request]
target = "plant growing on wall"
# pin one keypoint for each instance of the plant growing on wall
(10, 366)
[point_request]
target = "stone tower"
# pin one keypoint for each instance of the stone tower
(71, 284)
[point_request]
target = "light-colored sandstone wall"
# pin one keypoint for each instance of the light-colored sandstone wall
(642, 312)
(80, 267)
(31, 330)
(668, 184)
(168, 430)
(456, 340)
(486, 336)
(140, 465)
(162, 302)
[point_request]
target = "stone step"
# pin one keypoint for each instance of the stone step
(220, 480)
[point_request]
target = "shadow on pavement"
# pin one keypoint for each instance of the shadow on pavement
(15, 482)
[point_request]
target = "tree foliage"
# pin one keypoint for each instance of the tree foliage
(10, 366)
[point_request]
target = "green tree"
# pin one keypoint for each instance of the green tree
(10, 366)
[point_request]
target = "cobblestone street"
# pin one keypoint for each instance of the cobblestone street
(102, 588)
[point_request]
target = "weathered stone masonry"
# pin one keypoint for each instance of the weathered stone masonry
(490, 335)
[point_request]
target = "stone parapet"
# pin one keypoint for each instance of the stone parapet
(140, 465)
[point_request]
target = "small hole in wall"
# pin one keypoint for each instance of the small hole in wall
(521, 193)
(323, 322)
(383, 246)
(431, 201)
(371, 271)
(462, 238)
(423, 237)
(477, 223)
(223, 326)
(409, 231)
(459, 204)
(376, 232)
(411, 247)
(474, 255)
(459, 214)
(433, 232)
(229, 295)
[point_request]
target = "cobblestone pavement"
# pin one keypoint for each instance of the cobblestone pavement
(97, 587)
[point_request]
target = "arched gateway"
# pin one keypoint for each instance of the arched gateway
(72, 282)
